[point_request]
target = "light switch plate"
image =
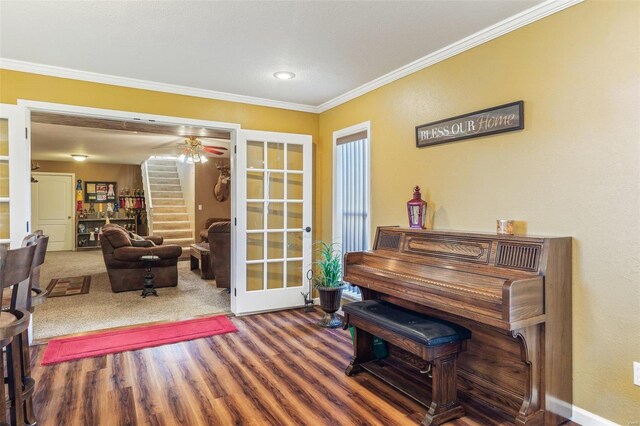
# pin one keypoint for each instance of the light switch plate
(199, 206)
(636, 373)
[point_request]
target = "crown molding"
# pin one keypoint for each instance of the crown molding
(512, 23)
(30, 67)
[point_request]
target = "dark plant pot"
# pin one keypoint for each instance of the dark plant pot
(330, 298)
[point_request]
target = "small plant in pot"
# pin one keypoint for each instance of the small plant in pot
(329, 283)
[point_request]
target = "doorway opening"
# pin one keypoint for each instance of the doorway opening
(132, 177)
(260, 280)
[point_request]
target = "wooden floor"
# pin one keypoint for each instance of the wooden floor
(279, 369)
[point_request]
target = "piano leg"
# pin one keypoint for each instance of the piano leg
(531, 412)
(444, 405)
(362, 351)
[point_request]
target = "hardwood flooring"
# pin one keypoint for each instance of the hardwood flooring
(278, 369)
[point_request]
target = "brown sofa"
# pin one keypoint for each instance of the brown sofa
(204, 234)
(122, 258)
(219, 237)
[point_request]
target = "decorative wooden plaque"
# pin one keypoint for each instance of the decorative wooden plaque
(500, 119)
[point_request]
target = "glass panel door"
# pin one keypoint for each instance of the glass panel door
(14, 175)
(273, 211)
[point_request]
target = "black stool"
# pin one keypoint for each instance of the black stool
(148, 279)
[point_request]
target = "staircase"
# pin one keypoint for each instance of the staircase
(170, 218)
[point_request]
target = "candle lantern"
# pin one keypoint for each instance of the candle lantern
(417, 210)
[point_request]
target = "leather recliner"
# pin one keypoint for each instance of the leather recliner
(204, 234)
(219, 237)
(122, 259)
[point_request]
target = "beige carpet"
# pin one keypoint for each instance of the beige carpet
(101, 308)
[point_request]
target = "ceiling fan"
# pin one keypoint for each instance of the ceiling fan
(193, 149)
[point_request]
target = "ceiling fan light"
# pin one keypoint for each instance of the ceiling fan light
(203, 159)
(182, 158)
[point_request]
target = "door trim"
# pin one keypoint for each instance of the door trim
(72, 207)
(233, 129)
(19, 167)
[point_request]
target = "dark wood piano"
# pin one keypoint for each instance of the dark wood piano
(512, 292)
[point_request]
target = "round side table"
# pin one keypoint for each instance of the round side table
(148, 279)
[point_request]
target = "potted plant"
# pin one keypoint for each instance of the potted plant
(329, 283)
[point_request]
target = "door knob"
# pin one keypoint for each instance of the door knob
(308, 229)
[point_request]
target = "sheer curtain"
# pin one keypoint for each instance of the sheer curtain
(353, 181)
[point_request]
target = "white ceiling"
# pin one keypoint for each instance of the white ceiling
(55, 142)
(236, 46)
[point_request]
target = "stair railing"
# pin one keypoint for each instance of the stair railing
(147, 192)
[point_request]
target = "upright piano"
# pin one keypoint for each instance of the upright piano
(512, 292)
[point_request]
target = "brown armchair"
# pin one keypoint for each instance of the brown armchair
(219, 237)
(122, 259)
(204, 234)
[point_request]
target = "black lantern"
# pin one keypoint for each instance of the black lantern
(417, 210)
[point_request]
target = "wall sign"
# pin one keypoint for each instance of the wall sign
(503, 118)
(100, 192)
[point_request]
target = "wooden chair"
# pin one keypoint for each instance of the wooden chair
(23, 297)
(38, 295)
(15, 268)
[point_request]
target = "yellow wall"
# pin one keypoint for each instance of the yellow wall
(126, 175)
(17, 85)
(574, 169)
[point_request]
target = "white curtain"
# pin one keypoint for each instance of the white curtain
(354, 196)
(355, 190)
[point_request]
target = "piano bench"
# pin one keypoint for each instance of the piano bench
(436, 341)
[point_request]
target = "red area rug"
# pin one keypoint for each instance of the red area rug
(109, 342)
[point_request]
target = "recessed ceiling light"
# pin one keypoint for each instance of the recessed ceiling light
(79, 157)
(284, 75)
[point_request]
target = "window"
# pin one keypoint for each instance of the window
(351, 188)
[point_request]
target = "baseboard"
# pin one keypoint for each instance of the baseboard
(586, 418)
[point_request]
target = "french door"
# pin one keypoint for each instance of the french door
(273, 221)
(15, 189)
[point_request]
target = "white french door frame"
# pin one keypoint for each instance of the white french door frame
(19, 172)
(239, 266)
(337, 187)
(233, 128)
(28, 105)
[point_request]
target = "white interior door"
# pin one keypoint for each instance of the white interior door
(52, 208)
(15, 165)
(273, 230)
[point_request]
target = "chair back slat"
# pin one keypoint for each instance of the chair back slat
(16, 265)
(21, 293)
(38, 259)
